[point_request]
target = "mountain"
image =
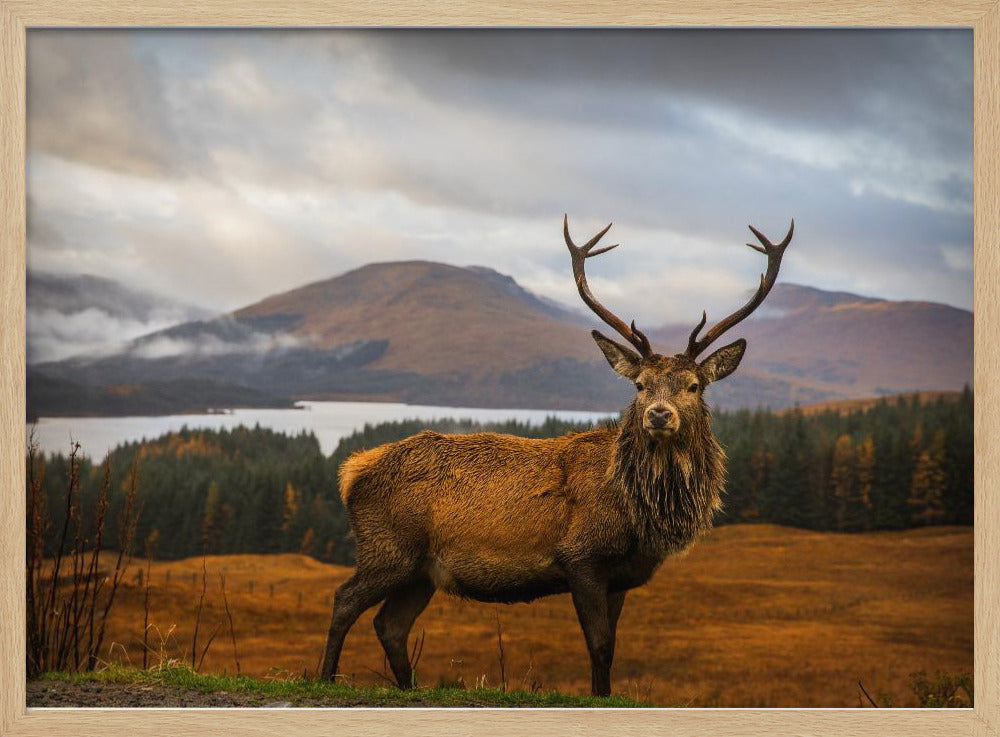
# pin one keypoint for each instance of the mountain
(69, 315)
(421, 332)
(436, 319)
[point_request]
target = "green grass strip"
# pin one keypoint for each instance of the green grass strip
(312, 692)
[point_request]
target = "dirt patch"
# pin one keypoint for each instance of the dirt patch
(122, 695)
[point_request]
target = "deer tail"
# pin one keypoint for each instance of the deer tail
(356, 465)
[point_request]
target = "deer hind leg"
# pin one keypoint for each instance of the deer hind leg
(360, 592)
(395, 620)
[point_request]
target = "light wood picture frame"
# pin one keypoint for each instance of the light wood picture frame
(17, 16)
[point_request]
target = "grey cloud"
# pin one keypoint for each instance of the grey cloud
(251, 162)
(909, 90)
(53, 335)
(826, 77)
(91, 98)
(206, 346)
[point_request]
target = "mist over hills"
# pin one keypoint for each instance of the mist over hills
(422, 332)
(69, 315)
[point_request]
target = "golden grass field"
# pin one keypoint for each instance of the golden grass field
(753, 616)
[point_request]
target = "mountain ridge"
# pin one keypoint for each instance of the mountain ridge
(423, 332)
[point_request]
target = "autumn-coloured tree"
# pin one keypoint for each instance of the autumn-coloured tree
(842, 481)
(761, 462)
(308, 542)
(927, 487)
(292, 502)
(864, 465)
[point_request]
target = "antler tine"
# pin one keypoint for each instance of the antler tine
(774, 252)
(593, 241)
(767, 245)
(693, 339)
(579, 255)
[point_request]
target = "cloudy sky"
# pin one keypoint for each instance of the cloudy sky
(221, 167)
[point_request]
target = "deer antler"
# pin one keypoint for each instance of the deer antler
(774, 254)
(581, 254)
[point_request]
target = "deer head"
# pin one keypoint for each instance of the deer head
(669, 389)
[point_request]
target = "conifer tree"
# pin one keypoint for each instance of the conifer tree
(211, 519)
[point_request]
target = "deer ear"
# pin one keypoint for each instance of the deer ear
(723, 362)
(622, 360)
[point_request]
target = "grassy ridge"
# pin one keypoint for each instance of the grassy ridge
(313, 692)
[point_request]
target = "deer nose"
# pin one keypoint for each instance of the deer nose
(658, 417)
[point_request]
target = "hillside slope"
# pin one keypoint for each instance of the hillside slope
(754, 615)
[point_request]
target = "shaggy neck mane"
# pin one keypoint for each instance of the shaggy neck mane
(670, 489)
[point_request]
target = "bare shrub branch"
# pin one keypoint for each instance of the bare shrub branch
(229, 614)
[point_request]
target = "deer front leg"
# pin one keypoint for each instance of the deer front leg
(366, 588)
(590, 598)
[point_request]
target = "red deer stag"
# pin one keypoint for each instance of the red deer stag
(503, 519)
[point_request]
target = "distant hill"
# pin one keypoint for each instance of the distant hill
(848, 406)
(422, 332)
(791, 298)
(850, 346)
(49, 396)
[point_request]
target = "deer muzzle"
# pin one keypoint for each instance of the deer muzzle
(661, 420)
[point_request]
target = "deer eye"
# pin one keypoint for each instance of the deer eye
(693, 388)
(638, 386)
